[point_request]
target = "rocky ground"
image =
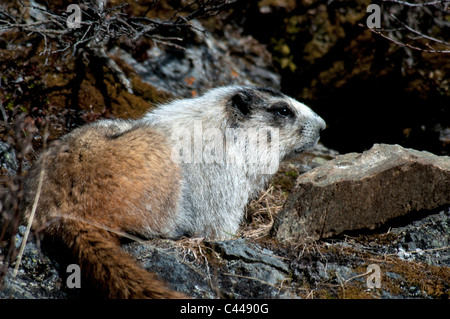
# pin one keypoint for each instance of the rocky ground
(321, 49)
(412, 253)
(411, 266)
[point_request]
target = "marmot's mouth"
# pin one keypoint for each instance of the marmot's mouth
(307, 145)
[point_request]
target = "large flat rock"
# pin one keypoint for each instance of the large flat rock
(363, 191)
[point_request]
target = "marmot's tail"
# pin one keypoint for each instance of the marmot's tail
(113, 272)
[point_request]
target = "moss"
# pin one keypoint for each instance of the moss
(285, 179)
(398, 277)
(144, 97)
(433, 280)
(97, 93)
(355, 292)
(282, 54)
(323, 294)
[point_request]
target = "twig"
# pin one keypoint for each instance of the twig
(30, 219)
(263, 195)
(418, 32)
(420, 251)
(100, 26)
(409, 4)
(357, 276)
(407, 44)
(416, 16)
(112, 65)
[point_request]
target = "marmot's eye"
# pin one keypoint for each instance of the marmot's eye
(282, 109)
(283, 112)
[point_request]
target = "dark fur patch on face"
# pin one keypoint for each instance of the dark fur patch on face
(281, 113)
(282, 109)
(241, 105)
(246, 101)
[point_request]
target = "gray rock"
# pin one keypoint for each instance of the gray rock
(236, 266)
(426, 240)
(39, 277)
(178, 268)
(363, 191)
(206, 62)
(8, 160)
(250, 253)
(248, 265)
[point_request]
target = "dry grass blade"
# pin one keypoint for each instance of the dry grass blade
(261, 212)
(30, 221)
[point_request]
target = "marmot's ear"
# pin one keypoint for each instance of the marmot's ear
(241, 103)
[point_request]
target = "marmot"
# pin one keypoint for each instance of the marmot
(187, 168)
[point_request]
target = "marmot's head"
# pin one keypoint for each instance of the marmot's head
(262, 108)
(226, 116)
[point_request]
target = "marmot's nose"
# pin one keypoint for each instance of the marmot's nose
(322, 125)
(313, 126)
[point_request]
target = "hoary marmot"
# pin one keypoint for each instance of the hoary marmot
(187, 168)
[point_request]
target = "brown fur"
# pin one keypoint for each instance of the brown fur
(98, 183)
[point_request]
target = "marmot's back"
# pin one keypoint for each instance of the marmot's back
(126, 181)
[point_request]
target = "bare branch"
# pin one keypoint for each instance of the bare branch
(409, 4)
(420, 34)
(429, 50)
(420, 26)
